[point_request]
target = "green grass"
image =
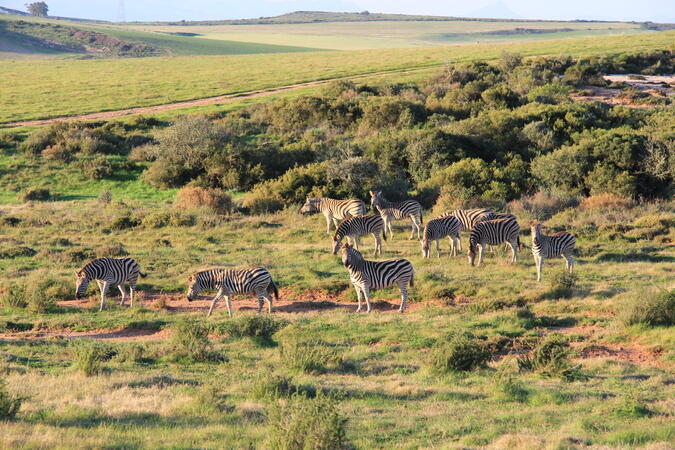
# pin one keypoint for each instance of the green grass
(101, 85)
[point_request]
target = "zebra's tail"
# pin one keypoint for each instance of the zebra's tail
(384, 234)
(421, 218)
(519, 244)
(275, 290)
(412, 280)
(143, 275)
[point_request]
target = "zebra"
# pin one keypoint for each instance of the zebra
(558, 244)
(366, 275)
(494, 232)
(391, 211)
(437, 229)
(467, 218)
(107, 272)
(255, 280)
(334, 210)
(493, 216)
(356, 227)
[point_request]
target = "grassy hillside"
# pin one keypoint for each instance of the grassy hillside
(90, 86)
(408, 33)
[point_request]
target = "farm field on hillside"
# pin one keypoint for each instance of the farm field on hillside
(365, 35)
(143, 389)
(99, 85)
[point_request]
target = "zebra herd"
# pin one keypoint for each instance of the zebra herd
(485, 227)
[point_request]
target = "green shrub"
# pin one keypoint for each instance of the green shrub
(509, 389)
(105, 198)
(159, 219)
(551, 358)
(16, 252)
(191, 342)
(40, 297)
(34, 194)
(307, 423)
(134, 353)
(96, 168)
(562, 284)
(124, 222)
(9, 404)
(89, 357)
(256, 326)
(656, 308)
(38, 140)
(459, 353)
(266, 387)
(38, 294)
(13, 295)
(110, 250)
(310, 356)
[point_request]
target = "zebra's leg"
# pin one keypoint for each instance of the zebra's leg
(213, 303)
(329, 222)
(366, 294)
(378, 244)
(124, 294)
(569, 261)
(103, 285)
(387, 226)
(356, 242)
(438, 248)
(268, 297)
(514, 250)
(261, 302)
(132, 288)
(358, 296)
(481, 250)
(538, 260)
(228, 303)
(403, 286)
(336, 223)
(459, 242)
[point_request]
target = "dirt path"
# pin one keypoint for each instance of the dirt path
(200, 101)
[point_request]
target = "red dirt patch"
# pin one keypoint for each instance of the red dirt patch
(637, 355)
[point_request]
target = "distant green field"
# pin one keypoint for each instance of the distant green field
(387, 34)
(52, 89)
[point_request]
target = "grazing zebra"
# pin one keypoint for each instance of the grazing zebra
(558, 244)
(467, 218)
(493, 216)
(391, 211)
(356, 227)
(437, 229)
(366, 275)
(334, 210)
(107, 272)
(494, 232)
(255, 280)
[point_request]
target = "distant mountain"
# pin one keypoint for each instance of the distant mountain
(498, 10)
(4, 10)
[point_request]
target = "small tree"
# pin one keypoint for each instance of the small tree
(39, 9)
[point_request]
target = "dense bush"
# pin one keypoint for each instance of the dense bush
(256, 326)
(190, 341)
(9, 404)
(307, 423)
(459, 352)
(37, 294)
(551, 358)
(655, 308)
(310, 356)
(36, 194)
(88, 357)
(562, 284)
(268, 386)
(216, 200)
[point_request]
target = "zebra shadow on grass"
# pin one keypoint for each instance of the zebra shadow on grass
(306, 306)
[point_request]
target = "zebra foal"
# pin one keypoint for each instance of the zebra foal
(558, 244)
(107, 272)
(255, 280)
(493, 232)
(334, 210)
(360, 226)
(366, 275)
(391, 211)
(437, 229)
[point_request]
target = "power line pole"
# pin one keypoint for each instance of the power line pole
(120, 11)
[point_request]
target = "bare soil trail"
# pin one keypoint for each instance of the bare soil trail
(219, 99)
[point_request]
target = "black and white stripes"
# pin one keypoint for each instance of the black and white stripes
(255, 280)
(437, 229)
(558, 244)
(493, 232)
(356, 227)
(366, 275)
(391, 211)
(334, 210)
(107, 272)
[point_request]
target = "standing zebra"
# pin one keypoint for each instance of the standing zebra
(558, 244)
(437, 229)
(467, 218)
(391, 211)
(494, 232)
(255, 280)
(106, 272)
(356, 227)
(334, 210)
(366, 275)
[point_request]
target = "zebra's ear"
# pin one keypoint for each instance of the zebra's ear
(371, 193)
(346, 245)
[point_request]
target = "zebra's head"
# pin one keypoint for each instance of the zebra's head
(473, 246)
(337, 237)
(311, 206)
(81, 284)
(375, 199)
(426, 245)
(350, 255)
(535, 228)
(194, 287)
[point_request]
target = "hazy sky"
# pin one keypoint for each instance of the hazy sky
(640, 10)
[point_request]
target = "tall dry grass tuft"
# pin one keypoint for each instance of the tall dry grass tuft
(542, 205)
(216, 200)
(606, 201)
